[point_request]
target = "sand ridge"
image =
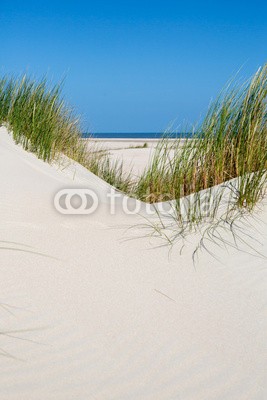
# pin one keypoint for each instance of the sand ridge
(86, 314)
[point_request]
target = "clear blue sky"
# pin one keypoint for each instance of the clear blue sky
(134, 66)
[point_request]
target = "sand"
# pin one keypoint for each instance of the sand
(131, 152)
(87, 314)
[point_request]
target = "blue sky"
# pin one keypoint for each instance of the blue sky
(134, 66)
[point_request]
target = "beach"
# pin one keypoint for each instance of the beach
(135, 154)
(133, 200)
(93, 307)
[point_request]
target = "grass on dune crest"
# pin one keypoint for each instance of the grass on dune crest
(231, 142)
(43, 124)
(39, 119)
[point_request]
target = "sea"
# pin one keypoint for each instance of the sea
(135, 135)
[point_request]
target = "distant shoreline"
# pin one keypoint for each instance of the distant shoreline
(135, 135)
(126, 140)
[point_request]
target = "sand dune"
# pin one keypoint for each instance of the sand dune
(87, 314)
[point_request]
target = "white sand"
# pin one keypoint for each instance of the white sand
(135, 158)
(88, 315)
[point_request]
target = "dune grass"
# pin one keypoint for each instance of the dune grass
(39, 119)
(231, 142)
(42, 123)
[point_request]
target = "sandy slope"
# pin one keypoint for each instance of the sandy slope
(86, 314)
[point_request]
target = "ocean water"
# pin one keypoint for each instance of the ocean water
(135, 135)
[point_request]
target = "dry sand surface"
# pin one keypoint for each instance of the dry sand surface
(131, 152)
(88, 315)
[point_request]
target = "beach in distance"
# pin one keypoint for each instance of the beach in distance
(134, 150)
(135, 154)
(136, 135)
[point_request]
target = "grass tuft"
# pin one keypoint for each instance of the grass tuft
(43, 124)
(231, 142)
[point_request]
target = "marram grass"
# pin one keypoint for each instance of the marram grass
(230, 143)
(43, 124)
(39, 119)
